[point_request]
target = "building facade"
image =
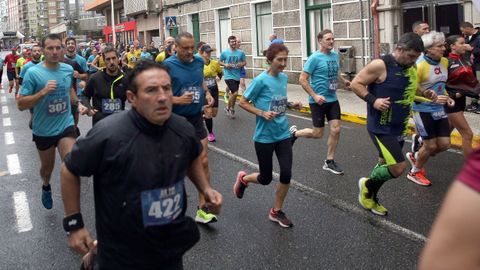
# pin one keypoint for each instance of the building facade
(125, 27)
(363, 29)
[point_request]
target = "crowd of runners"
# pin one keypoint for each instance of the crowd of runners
(140, 157)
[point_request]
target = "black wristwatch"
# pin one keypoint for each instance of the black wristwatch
(73, 222)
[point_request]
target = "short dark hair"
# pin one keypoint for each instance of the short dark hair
(417, 24)
(200, 44)
(451, 40)
(273, 50)
(323, 33)
(142, 66)
(70, 38)
(51, 37)
(411, 41)
(183, 35)
(231, 38)
(36, 45)
(109, 49)
(466, 25)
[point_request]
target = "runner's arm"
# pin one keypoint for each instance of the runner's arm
(27, 102)
(198, 178)
(344, 81)
(70, 186)
(95, 61)
(369, 74)
(305, 83)
(454, 241)
(248, 106)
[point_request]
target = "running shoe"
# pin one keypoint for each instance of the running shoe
(226, 97)
(419, 178)
(227, 111)
(204, 216)
(211, 137)
(416, 143)
(232, 113)
(366, 202)
(472, 107)
(240, 185)
(280, 217)
(378, 208)
(47, 200)
(411, 158)
(293, 129)
(332, 167)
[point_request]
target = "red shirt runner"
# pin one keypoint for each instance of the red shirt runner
(11, 61)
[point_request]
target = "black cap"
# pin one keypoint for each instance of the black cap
(206, 48)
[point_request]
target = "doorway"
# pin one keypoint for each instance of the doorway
(433, 12)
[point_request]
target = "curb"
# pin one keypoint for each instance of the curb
(455, 137)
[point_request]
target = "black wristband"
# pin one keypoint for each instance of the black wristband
(369, 98)
(73, 222)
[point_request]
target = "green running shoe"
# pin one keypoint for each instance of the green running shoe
(365, 202)
(204, 216)
(379, 209)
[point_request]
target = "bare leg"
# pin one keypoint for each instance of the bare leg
(333, 138)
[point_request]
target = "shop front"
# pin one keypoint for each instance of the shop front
(125, 32)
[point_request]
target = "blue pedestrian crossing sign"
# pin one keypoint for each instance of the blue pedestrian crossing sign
(171, 22)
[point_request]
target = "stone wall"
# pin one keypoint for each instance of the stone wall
(349, 17)
(287, 20)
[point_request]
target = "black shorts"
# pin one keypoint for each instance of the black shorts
(389, 147)
(233, 86)
(44, 143)
(214, 92)
(431, 125)
(331, 110)
(199, 125)
(11, 75)
(460, 105)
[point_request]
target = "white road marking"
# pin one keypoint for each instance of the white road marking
(343, 205)
(9, 138)
(7, 122)
(3, 99)
(13, 164)
(22, 211)
(4, 109)
(2, 91)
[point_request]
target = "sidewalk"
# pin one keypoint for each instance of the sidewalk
(355, 110)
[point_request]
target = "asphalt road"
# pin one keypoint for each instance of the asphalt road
(331, 230)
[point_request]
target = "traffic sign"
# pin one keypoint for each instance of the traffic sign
(171, 22)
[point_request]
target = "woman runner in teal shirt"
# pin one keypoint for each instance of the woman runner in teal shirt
(266, 97)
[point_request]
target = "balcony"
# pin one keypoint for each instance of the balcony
(134, 7)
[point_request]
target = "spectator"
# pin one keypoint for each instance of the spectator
(472, 54)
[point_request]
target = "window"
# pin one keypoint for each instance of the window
(225, 28)
(263, 13)
(52, 4)
(319, 16)
(52, 12)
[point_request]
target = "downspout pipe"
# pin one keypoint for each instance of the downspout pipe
(376, 27)
(363, 33)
